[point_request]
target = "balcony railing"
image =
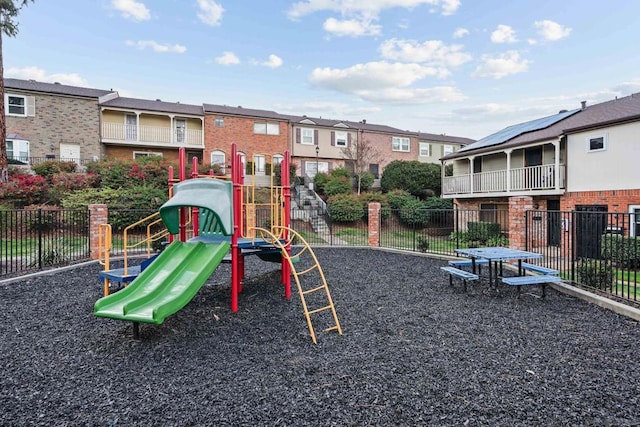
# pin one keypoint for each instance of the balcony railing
(156, 135)
(28, 160)
(532, 178)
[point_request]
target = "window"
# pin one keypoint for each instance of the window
(495, 212)
(259, 164)
(425, 149)
(138, 154)
(277, 159)
(218, 122)
(597, 143)
(341, 139)
(310, 167)
(131, 127)
(18, 150)
(218, 158)
(181, 130)
(307, 136)
(447, 149)
(16, 105)
(400, 144)
(266, 128)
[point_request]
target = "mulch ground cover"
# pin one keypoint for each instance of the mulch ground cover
(415, 351)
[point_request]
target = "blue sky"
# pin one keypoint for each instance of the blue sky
(458, 67)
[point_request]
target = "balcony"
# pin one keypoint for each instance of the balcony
(155, 136)
(526, 180)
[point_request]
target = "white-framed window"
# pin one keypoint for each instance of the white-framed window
(138, 154)
(18, 149)
(597, 143)
(399, 143)
(16, 105)
(265, 128)
(259, 164)
(341, 139)
(181, 130)
(306, 136)
(218, 122)
(218, 158)
(425, 149)
(447, 149)
(311, 168)
(277, 159)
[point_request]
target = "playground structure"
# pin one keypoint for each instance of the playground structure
(221, 215)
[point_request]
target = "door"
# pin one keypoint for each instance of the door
(634, 221)
(375, 171)
(131, 127)
(477, 170)
(553, 223)
(259, 164)
(181, 131)
(590, 223)
(70, 153)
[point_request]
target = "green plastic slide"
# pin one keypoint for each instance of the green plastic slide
(166, 285)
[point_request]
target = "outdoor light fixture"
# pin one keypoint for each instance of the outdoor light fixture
(317, 152)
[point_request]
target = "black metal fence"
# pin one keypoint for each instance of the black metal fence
(596, 249)
(34, 239)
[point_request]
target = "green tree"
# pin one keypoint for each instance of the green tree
(8, 26)
(361, 154)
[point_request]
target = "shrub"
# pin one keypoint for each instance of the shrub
(621, 250)
(278, 175)
(345, 208)
(414, 214)
(66, 183)
(341, 172)
(22, 190)
(366, 181)
(481, 231)
(371, 196)
(499, 240)
(51, 167)
(320, 181)
(423, 243)
(337, 185)
(412, 176)
(398, 198)
(597, 274)
(152, 171)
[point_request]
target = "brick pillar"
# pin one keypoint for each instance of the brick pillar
(98, 214)
(374, 224)
(518, 205)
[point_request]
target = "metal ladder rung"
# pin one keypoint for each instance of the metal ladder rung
(319, 288)
(320, 309)
(307, 270)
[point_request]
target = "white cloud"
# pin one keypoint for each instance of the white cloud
(627, 88)
(370, 8)
(274, 61)
(460, 33)
(501, 65)
(157, 47)
(210, 12)
(131, 9)
(504, 34)
(532, 42)
(432, 52)
(551, 31)
(228, 58)
(405, 96)
(36, 73)
(351, 27)
(370, 76)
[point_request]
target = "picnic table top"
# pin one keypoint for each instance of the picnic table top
(497, 253)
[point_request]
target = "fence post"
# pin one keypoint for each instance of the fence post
(374, 224)
(98, 214)
(517, 233)
(40, 238)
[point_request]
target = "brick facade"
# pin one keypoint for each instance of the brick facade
(617, 201)
(240, 130)
(382, 143)
(374, 224)
(98, 215)
(126, 153)
(59, 119)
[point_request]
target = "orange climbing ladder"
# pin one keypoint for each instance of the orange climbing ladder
(318, 286)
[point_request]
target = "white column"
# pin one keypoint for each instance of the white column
(471, 173)
(172, 129)
(137, 126)
(508, 153)
(556, 147)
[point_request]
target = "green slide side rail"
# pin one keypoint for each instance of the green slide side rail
(166, 285)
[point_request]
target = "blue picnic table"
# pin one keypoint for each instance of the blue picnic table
(496, 255)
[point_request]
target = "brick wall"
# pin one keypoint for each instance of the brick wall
(374, 224)
(59, 119)
(126, 153)
(240, 131)
(617, 201)
(98, 214)
(382, 144)
(517, 221)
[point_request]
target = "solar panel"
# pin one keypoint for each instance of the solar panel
(515, 130)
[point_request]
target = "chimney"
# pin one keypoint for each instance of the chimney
(562, 111)
(364, 121)
(584, 104)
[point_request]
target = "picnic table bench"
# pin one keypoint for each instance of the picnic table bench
(540, 269)
(464, 275)
(520, 281)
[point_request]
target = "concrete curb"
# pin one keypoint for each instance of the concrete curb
(600, 301)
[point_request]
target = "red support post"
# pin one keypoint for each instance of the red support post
(195, 212)
(183, 211)
(171, 194)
